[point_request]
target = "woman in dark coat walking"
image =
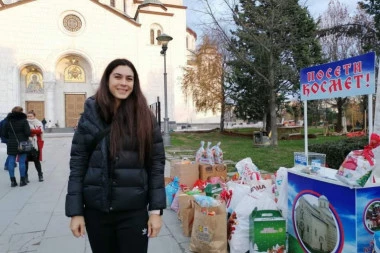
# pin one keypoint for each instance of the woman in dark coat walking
(15, 131)
(117, 166)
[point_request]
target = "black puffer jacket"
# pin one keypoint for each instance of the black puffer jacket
(130, 186)
(21, 128)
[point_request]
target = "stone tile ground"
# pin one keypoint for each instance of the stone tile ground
(32, 218)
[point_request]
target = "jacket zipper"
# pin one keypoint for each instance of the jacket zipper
(110, 182)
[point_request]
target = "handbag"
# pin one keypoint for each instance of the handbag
(23, 146)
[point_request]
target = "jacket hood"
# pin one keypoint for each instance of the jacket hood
(16, 116)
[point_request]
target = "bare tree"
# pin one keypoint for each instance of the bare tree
(339, 42)
(203, 80)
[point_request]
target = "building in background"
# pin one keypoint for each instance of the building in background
(53, 53)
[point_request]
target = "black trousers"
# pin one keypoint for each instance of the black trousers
(33, 158)
(117, 232)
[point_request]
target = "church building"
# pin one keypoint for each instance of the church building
(53, 54)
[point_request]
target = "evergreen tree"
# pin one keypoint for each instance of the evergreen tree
(274, 39)
(372, 7)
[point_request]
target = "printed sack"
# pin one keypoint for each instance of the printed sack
(209, 231)
(357, 167)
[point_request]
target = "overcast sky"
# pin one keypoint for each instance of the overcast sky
(316, 8)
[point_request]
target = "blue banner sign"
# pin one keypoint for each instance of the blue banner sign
(350, 77)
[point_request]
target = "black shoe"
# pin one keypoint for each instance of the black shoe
(22, 181)
(5, 168)
(27, 179)
(40, 178)
(13, 182)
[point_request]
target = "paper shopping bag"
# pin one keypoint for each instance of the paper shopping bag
(209, 233)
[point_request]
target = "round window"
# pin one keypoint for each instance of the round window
(72, 23)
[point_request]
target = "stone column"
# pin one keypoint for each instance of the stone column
(16, 86)
(49, 106)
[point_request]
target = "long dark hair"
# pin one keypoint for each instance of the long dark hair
(132, 120)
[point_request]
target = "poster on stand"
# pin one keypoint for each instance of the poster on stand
(327, 216)
(349, 77)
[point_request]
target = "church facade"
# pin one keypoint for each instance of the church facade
(53, 54)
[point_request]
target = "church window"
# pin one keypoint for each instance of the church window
(158, 34)
(155, 31)
(187, 42)
(113, 3)
(152, 37)
(125, 6)
(72, 23)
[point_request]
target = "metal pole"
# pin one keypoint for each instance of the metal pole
(166, 136)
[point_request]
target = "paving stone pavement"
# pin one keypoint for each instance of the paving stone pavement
(32, 218)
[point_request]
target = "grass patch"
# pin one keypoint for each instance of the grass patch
(236, 148)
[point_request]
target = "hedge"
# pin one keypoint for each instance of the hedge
(338, 150)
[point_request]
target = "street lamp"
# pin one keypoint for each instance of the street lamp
(164, 39)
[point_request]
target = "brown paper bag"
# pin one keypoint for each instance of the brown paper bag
(209, 233)
(187, 219)
(188, 174)
(186, 212)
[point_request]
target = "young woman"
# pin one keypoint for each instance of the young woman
(36, 130)
(16, 130)
(117, 166)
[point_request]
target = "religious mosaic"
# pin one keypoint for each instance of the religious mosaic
(75, 74)
(34, 83)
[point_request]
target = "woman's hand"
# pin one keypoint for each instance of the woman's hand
(77, 226)
(154, 225)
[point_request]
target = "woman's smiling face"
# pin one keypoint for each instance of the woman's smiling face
(121, 82)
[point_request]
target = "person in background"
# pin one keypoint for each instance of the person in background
(117, 166)
(16, 130)
(3, 140)
(50, 124)
(36, 131)
(43, 121)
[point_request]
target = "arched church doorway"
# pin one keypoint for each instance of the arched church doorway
(73, 75)
(33, 89)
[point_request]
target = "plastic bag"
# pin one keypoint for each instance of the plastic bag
(206, 201)
(175, 204)
(238, 193)
(171, 189)
(247, 170)
(207, 156)
(217, 153)
(358, 165)
(239, 230)
(200, 152)
(281, 190)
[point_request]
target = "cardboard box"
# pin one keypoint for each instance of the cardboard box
(328, 216)
(188, 174)
(217, 170)
(267, 231)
